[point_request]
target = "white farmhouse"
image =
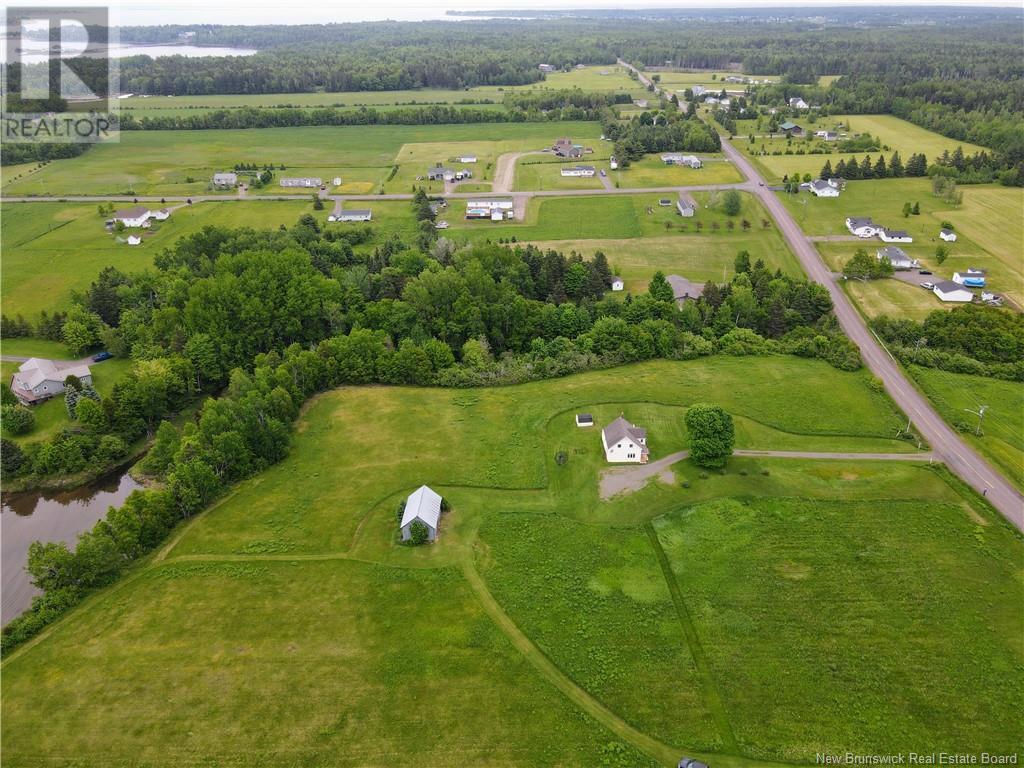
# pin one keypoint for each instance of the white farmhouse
(798, 103)
(133, 217)
(624, 442)
(947, 290)
(825, 187)
(862, 227)
(948, 235)
(894, 236)
(423, 505)
(38, 379)
(897, 257)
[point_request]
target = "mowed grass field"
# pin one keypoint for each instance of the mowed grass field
(892, 132)
(161, 162)
(52, 249)
(958, 397)
(652, 172)
(701, 614)
(989, 227)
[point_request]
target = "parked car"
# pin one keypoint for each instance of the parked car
(928, 286)
(99, 357)
(689, 762)
(924, 272)
(603, 173)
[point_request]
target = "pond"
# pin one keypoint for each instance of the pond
(49, 516)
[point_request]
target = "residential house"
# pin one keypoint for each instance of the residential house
(302, 181)
(617, 283)
(38, 379)
(897, 257)
(948, 235)
(440, 174)
(824, 188)
(545, 67)
(642, 103)
(565, 148)
(133, 217)
(798, 103)
(862, 227)
(894, 236)
(970, 277)
(625, 442)
(354, 214)
(584, 420)
(422, 505)
(495, 210)
(225, 180)
(791, 129)
(683, 289)
(675, 158)
(827, 135)
(162, 215)
(686, 206)
(947, 290)
(578, 170)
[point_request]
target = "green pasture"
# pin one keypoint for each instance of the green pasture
(700, 610)
(957, 395)
(533, 173)
(650, 171)
(892, 133)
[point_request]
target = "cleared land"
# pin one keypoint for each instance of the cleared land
(651, 172)
(312, 636)
(153, 162)
(892, 133)
(956, 395)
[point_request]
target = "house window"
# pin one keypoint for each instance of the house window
(630, 455)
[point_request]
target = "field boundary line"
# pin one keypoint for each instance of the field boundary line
(711, 693)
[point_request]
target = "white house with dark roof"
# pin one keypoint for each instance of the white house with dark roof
(578, 170)
(225, 179)
(354, 214)
(675, 158)
(38, 379)
(798, 103)
(624, 442)
(948, 235)
(897, 257)
(862, 227)
(686, 206)
(824, 187)
(301, 181)
(894, 236)
(134, 240)
(132, 217)
(422, 505)
(947, 290)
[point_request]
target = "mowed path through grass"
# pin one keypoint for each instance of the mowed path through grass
(310, 635)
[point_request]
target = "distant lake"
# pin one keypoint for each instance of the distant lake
(36, 51)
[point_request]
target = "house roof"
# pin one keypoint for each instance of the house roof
(423, 504)
(132, 213)
(856, 221)
(584, 417)
(616, 279)
(821, 184)
(896, 233)
(356, 212)
(948, 286)
(36, 370)
(946, 232)
(893, 252)
(788, 126)
(620, 429)
(683, 288)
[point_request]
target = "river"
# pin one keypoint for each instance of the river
(48, 516)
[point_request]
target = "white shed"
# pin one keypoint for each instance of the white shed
(950, 291)
(423, 505)
(617, 284)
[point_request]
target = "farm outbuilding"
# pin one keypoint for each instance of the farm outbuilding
(423, 505)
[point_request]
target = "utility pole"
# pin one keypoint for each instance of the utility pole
(980, 413)
(918, 344)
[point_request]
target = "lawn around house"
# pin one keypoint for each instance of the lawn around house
(297, 581)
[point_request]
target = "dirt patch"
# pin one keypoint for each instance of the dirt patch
(849, 476)
(793, 571)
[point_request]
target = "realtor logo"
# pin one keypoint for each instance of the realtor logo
(60, 84)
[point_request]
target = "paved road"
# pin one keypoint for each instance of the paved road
(947, 445)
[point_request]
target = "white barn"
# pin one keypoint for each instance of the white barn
(624, 442)
(38, 379)
(422, 505)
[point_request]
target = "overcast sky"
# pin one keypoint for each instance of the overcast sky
(320, 11)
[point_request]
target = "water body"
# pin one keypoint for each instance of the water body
(48, 516)
(35, 52)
